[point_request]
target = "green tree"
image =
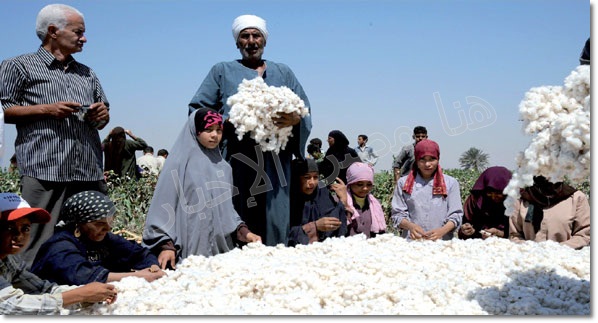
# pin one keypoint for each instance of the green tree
(474, 159)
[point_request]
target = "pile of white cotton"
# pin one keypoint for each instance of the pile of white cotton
(254, 106)
(386, 275)
(558, 118)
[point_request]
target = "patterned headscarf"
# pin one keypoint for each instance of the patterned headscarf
(424, 148)
(207, 117)
(87, 206)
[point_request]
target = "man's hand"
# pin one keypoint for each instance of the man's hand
(286, 119)
(98, 113)
(61, 109)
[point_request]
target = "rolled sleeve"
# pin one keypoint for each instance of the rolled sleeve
(399, 209)
(455, 207)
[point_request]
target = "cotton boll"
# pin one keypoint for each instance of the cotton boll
(558, 118)
(386, 275)
(254, 106)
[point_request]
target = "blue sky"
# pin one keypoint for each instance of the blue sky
(376, 67)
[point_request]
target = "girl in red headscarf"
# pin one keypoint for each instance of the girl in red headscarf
(427, 204)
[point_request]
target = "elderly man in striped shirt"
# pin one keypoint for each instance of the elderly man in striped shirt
(57, 105)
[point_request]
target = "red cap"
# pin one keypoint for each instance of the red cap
(14, 207)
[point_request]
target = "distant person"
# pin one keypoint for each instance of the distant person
(426, 204)
(551, 211)
(13, 167)
(338, 157)
(264, 208)
(484, 210)
(21, 292)
(161, 159)
(119, 153)
(86, 250)
(404, 162)
(316, 142)
(365, 152)
(192, 212)
(148, 163)
(584, 58)
(315, 214)
(366, 214)
(314, 150)
(57, 105)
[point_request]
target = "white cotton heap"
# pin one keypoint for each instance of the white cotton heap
(254, 106)
(558, 118)
(386, 275)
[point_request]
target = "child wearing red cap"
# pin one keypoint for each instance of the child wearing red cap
(22, 292)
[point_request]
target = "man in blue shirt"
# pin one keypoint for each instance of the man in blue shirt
(262, 177)
(365, 153)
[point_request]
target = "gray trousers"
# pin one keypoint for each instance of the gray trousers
(50, 196)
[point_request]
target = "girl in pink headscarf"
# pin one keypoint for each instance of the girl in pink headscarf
(426, 204)
(367, 214)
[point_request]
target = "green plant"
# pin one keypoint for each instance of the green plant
(9, 181)
(474, 159)
(133, 197)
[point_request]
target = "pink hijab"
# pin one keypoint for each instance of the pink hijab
(364, 172)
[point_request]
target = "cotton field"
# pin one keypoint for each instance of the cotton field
(382, 276)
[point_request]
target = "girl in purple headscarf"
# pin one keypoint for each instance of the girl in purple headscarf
(484, 212)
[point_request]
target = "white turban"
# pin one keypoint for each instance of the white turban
(249, 21)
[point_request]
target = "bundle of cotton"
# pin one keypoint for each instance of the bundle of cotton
(254, 106)
(386, 275)
(558, 118)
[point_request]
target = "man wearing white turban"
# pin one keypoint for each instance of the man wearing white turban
(261, 177)
(249, 21)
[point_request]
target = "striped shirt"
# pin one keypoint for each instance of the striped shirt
(59, 150)
(22, 292)
(425, 209)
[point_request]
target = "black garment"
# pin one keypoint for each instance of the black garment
(338, 158)
(584, 59)
(309, 208)
(543, 195)
(68, 260)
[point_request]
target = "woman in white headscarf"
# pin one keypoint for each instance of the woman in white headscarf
(191, 212)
